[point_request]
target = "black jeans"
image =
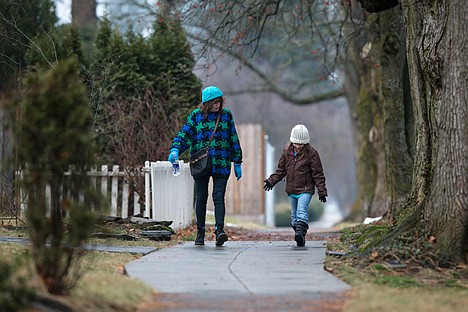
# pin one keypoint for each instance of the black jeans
(201, 193)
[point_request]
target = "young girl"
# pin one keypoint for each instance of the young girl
(300, 164)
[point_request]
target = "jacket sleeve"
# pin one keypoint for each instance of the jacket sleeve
(280, 172)
(183, 139)
(317, 174)
(236, 151)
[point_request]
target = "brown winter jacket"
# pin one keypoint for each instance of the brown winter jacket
(302, 173)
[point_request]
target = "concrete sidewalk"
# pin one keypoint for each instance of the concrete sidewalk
(238, 268)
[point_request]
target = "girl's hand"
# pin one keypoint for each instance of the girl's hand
(268, 186)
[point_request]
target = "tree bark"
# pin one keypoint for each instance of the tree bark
(379, 5)
(396, 114)
(381, 116)
(363, 96)
(437, 39)
(84, 13)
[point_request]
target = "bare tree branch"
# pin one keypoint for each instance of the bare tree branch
(37, 48)
(270, 85)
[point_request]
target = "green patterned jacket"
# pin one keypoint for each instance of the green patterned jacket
(225, 146)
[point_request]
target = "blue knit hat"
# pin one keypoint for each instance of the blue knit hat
(211, 93)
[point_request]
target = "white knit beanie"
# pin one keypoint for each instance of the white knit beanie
(299, 135)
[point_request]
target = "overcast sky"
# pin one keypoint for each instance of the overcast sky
(63, 10)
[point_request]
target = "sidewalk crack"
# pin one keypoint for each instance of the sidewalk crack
(234, 274)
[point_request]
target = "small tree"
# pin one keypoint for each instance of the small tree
(53, 131)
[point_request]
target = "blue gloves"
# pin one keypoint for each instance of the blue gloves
(238, 171)
(174, 155)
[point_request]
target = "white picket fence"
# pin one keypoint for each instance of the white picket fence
(169, 198)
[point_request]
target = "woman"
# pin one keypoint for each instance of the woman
(224, 149)
(300, 164)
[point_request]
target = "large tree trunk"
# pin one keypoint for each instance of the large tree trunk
(84, 13)
(397, 111)
(363, 94)
(437, 34)
(85, 19)
(381, 116)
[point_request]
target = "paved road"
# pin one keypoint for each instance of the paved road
(242, 271)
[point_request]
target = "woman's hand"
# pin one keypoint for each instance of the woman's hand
(173, 155)
(238, 171)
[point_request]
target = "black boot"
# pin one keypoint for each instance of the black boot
(200, 240)
(301, 231)
(221, 236)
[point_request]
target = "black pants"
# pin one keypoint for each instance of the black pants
(201, 193)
